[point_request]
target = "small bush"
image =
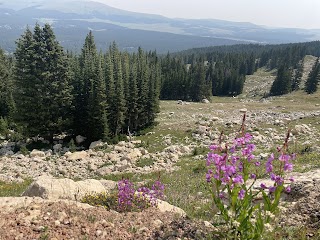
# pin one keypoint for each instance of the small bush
(108, 201)
(24, 150)
(142, 162)
(72, 146)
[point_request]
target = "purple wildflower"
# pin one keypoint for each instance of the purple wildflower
(284, 158)
(288, 166)
(209, 175)
(253, 176)
(288, 189)
(263, 186)
(241, 194)
(272, 189)
(221, 195)
(213, 147)
(238, 179)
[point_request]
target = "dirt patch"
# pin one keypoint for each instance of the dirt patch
(62, 220)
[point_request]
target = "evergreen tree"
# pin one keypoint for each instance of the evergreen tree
(7, 105)
(143, 79)
(117, 114)
(297, 77)
(43, 93)
(282, 83)
(313, 78)
(92, 105)
(133, 98)
(98, 122)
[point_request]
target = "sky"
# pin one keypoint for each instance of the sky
(273, 13)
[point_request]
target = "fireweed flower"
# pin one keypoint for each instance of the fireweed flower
(253, 176)
(241, 194)
(209, 175)
(237, 180)
(288, 166)
(231, 171)
(272, 189)
(129, 198)
(288, 189)
(263, 186)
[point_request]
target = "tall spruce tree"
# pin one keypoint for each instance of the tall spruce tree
(296, 81)
(43, 94)
(132, 101)
(7, 105)
(118, 109)
(313, 78)
(282, 83)
(92, 105)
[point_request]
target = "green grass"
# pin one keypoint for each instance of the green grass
(142, 162)
(155, 142)
(13, 189)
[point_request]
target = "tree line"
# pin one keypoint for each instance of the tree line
(220, 71)
(100, 95)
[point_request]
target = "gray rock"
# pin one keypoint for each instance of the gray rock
(96, 144)
(80, 139)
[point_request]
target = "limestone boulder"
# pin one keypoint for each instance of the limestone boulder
(96, 144)
(164, 206)
(50, 188)
(77, 155)
(37, 153)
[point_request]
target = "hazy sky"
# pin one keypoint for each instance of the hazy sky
(275, 13)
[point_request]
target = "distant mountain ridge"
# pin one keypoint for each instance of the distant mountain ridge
(74, 18)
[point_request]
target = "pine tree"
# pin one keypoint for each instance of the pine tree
(117, 109)
(282, 83)
(297, 77)
(143, 79)
(313, 78)
(98, 122)
(132, 102)
(92, 97)
(7, 105)
(43, 93)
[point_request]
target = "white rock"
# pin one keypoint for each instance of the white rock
(205, 100)
(50, 188)
(164, 206)
(37, 153)
(243, 110)
(77, 155)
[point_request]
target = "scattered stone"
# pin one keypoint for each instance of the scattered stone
(243, 110)
(96, 144)
(77, 155)
(80, 139)
(167, 207)
(37, 153)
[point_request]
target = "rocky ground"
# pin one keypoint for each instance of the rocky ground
(39, 219)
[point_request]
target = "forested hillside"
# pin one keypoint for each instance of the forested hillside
(100, 94)
(220, 71)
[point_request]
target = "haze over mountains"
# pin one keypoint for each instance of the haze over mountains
(73, 19)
